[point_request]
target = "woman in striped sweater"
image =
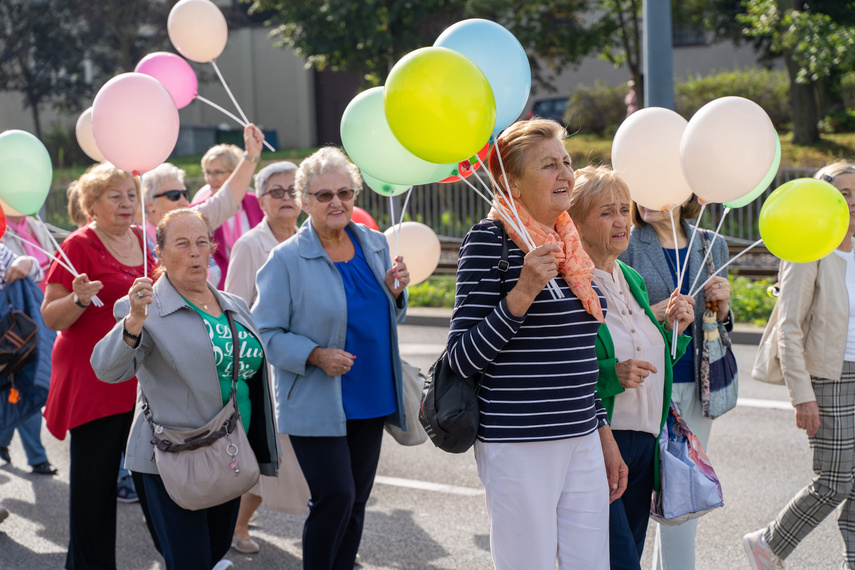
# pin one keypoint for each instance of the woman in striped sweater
(545, 453)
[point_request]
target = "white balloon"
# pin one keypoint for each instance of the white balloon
(198, 30)
(85, 138)
(646, 153)
(727, 149)
(419, 247)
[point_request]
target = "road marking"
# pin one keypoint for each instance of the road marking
(427, 486)
(421, 349)
(768, 404)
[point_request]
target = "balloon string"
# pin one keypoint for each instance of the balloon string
(709, 249)
(144, 240)
(231, 116)
(676, 255)
(49, 254)
(229, 91)
(395, 229)
(98, 302)
(691, 241)
(717, 271)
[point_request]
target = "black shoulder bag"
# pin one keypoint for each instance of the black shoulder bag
(18, 340)
(449, 410)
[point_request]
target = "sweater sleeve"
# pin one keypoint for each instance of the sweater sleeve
(481, 324)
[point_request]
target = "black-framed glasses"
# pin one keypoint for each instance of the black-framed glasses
(344, 194)
(173, 195)
(279, 193)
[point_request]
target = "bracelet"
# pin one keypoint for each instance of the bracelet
(253, 159)
(133, 337)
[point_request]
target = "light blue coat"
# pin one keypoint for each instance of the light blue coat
(302, 305)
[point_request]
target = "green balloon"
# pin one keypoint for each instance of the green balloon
(383, 188)
(765, 183)
(25, 171)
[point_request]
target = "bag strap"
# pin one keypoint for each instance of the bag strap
(503, 264)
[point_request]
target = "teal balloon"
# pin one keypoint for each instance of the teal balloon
(383, 188)
(372, 147)
(764, 184)
(25, 171)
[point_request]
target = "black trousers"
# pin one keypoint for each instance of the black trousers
(340, 473)
(96, 449)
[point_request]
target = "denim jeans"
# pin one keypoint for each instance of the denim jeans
(30, 432)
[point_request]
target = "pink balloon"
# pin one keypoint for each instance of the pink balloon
(175, 74)
(135, 122)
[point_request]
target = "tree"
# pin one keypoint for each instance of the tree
(814, 46)
(41, 56)
(367, 37)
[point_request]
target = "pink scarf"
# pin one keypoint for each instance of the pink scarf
(574, 265)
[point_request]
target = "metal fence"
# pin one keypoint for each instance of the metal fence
(451, 209)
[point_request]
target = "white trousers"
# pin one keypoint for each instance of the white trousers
(674, 548)
(546, 501)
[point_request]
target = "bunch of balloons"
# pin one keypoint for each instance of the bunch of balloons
(439, 108)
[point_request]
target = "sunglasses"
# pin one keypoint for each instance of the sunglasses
(279, 193)
(173, 195)
(344, 194)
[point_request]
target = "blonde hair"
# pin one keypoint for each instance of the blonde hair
(593, 185)
(75, 212)
(97, 180)
(229, 154)
(327, 159)
(833, 170)
(516, 140)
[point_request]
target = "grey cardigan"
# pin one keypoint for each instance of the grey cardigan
(645, 255)
(174, 363)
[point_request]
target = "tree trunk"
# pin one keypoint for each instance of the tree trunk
(36, 119)
(803, 103)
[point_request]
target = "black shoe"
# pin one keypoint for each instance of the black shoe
(4, 454)
(44, 469)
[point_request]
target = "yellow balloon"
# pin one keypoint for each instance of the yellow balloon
(439, 105)
(804, 220)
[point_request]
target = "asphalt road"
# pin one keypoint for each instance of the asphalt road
(427, 509)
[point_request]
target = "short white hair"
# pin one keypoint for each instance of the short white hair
(152, 182)
(327, 159)
(270, 170)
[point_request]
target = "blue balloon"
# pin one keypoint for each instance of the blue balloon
(500, 57)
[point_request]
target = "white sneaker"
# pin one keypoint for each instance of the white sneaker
(759, 554)
(224, 564)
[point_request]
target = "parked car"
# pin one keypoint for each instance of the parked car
(552, 108)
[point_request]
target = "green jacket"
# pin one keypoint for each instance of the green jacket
(608, 385)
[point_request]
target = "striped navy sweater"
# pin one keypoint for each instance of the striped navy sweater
(540, 371)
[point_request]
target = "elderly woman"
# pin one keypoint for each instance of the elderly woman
(328, 302)
(652, 252)
(811, 340)
(109, 255)
(274, 186)
(176, 337)
(633, 353)
(218, 164)
(545, 453)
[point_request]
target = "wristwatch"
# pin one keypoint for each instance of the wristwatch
(602, 422)
(77, 302)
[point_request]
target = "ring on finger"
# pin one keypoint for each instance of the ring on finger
(140, 294)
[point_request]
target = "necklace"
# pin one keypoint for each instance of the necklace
(112, 243)
(200, 303)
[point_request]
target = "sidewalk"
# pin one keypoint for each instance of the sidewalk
(743, 333)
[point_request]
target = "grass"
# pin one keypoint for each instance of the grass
(749, 300)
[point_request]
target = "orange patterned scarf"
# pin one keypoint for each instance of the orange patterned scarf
(574, 265)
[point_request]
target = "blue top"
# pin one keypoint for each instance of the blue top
(367, 390)
(684, 369)
(540, 370)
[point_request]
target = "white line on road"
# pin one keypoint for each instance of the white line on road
(426, 486)
(421, 349)
(768, 404)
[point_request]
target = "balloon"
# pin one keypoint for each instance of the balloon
(501, 58)
(384, 188)
(370, 144)
(25, 171)
(198, 30)
(2, 223)
(727, 149)
(9, 210)
(764, 184)
(804, 220)
(439, 105)
(646, 153)
(85, 138)
(360, 216)
(468, 166)
(135, 122)
(175, 74)
(419, 246)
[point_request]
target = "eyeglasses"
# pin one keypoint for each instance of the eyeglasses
(279, 193)
(173, 195)
(214, 173)
(344, 194)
